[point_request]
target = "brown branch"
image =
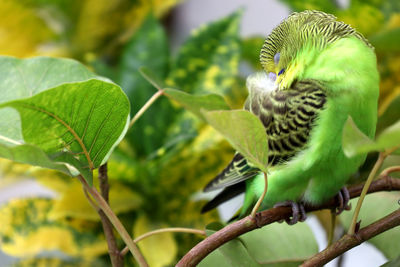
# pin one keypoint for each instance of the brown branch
(247, 224)
(117, 260)
(349, 241)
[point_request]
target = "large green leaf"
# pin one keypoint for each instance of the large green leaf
(20, 78)
(86, 119)
(273, 245)
(244, 131)
(208, 60)
(147, 48)
(78, 121)
(355, 142)
(376, 206)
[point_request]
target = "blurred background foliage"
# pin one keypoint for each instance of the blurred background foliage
(169, 154)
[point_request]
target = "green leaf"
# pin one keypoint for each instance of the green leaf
(86, 119)
(272, 245)
(21, 78)
(215, 258)
(375, 207)
(195, 103)
(251, 50)
(281, 244)
(35, 156)
(208, 60)
(355, 142)
(60, 120)
(233, 253)
(152, 78)
(244, 131)
(148, 48)
(393, 263)
(390, 137)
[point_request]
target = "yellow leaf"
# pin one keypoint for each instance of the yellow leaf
(160, 249)
(22, 31)
(52, 179)
(73, 203)
(394, 21)
(26, 230)
(385, 102)
(93, 30)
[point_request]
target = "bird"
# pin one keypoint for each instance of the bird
(317, 72)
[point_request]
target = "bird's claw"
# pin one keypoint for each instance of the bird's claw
(343, 197)
(298, 211)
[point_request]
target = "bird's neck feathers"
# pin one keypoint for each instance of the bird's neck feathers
(345, 65)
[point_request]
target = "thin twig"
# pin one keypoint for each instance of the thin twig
(166, 230)
(90, 200)
(349, 241)
(259, 201)
(233, 230)
(331, 234)
(370, 178)
(117, 260)
(389, 170)
(146, 106)
(115, 221)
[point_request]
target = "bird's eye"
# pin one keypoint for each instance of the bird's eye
(281, 72)
(277, 57)
(272, 76)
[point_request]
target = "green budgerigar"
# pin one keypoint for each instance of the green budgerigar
(317, 72)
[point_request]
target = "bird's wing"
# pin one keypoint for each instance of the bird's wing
(237, 170)
(288, 117)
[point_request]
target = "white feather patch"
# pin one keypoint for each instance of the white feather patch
(260, 81)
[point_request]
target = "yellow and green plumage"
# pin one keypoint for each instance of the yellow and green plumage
(318, 72)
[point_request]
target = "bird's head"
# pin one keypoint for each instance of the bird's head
(296, 42)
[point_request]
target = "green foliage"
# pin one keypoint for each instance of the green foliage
(168, 154)
(272, 245)
(208, 60)
(148, 48)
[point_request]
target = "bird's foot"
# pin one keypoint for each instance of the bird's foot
(343, 198)
(298, 211)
